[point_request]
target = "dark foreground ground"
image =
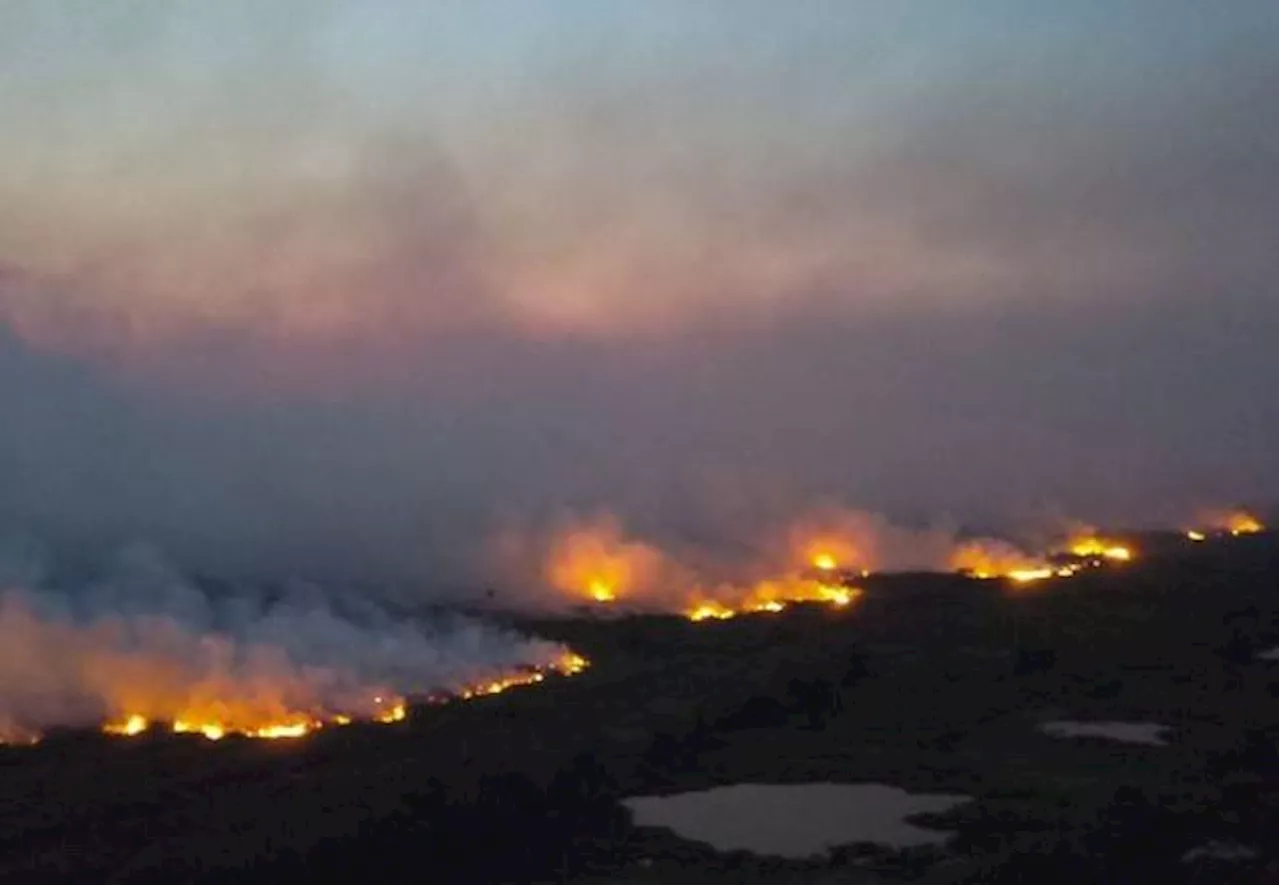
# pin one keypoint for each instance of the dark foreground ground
(942, 681)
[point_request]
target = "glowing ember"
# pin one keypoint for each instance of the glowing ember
(772, 606)
(1193, 535)
(601, 592)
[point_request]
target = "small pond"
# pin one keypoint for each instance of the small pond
(1149, 733)
(795, 820)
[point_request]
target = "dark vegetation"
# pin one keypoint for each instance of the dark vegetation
(931, 683)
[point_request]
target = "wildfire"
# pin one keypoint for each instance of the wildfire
(825, 543)
(396, 712)
(1233, 522)
(708, 610)
(130, 726)
(571, 664)
(601, 591)
(1090, 546)
(771, 597)
(497, 686)
(592, 559)
(386, 710)
(212, 730)
(1241, 523)
(836, 595)
(824, 562)
(986, 559)
(216, 731)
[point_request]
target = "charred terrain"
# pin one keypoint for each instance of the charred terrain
(928, 682)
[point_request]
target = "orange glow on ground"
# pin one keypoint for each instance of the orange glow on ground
(710, 610)
(771, 597)
(987, 559)
(1099, 547)
(387, 710)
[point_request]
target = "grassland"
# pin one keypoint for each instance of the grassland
(929, 682)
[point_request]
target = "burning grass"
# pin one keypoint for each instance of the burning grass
(771, 597)
(143, 649)
(1233, 523)
(1094, 547)
(816, 559)
(594, 562)
(215, 724)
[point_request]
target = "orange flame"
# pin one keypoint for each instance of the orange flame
(593, 560)
(133, 724)
(1231, 522)
(772, 596)
(710, 610)
(990, 558)
(824, 562)
(825, 542)
(387, 710)
(1087, 546)
(1027, 575)
(1241, 523)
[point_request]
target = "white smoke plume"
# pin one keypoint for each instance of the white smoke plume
(595, 559)
(79, 647)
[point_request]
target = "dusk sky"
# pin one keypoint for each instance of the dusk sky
(341, 287)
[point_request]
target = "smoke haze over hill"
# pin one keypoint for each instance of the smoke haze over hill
(286, 290)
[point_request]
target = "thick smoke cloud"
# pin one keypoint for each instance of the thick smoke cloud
(81, 644)
(286, 309)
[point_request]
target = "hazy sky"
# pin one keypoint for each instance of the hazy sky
(338, 286)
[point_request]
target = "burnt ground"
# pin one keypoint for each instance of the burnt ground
(931, 683)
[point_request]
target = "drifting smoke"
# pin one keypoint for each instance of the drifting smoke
(816, 557)
(613, 566)
(1234, 522)
(989, 557)
(866, 541)
(142, 643)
